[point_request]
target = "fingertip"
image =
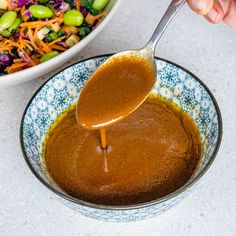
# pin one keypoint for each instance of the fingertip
(230, 17)
(216, 14)
(201, 7)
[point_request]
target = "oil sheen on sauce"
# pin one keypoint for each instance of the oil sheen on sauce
(151, 153)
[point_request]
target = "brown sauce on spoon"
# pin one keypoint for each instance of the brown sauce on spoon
(114, 91)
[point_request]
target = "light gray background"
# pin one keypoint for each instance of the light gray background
(27, 207)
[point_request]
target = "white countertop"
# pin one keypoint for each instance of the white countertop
(27, 207)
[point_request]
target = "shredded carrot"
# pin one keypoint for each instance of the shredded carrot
(44, 45)
(2, 49)
(20, 47)
(17, 60)
(57, 47)
(78, 4)
(40, 51)
(22, 10)
(91, 19)
(70, 29)
(29, 59)
(9, 5)
(17, 9)
(31, 37)
(35, 59)
(10, 43)
(25, 39)
(16, 67)
(36, 33)
(28, 46)
(22, 44)
(37, 41)
(40, 46)
(56, 41)
(38, 24)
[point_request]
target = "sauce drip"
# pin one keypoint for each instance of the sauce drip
(103, 138)
(150, 154)
(115, 90)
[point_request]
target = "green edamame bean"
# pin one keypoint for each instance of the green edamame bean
(40, 11)
(43, 1)
(73, 17)
(100, 4)
(15, 25)
(48, 56)
(6, 33)
(7, 19)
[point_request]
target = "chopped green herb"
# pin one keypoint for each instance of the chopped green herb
(89, 5)
(84, 30)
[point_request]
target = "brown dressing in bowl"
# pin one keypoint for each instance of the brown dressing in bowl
(150, 154)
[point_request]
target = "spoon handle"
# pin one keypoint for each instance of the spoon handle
(171, 11)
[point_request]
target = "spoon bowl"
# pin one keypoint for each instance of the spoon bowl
(125, 78)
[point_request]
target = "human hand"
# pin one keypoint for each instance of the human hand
(216, 10)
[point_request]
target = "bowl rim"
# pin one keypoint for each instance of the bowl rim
(133, 206)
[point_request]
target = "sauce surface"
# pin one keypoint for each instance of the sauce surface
(115, 89)
(150, 154)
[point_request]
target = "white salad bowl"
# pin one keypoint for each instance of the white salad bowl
(42, 69)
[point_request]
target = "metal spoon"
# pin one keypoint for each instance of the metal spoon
(92, 119)
(149, 49)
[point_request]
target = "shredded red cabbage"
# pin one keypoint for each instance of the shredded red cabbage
(30, 3)
(84, 11)
(25, 37)
(23, 56)
(63, 7)
(62, 44)
(28, 14)
(5, 60)
(21, 3)
(16, 36)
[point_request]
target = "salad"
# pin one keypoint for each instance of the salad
(34, 31)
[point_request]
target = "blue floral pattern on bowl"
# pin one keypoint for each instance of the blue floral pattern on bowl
(173, 83)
